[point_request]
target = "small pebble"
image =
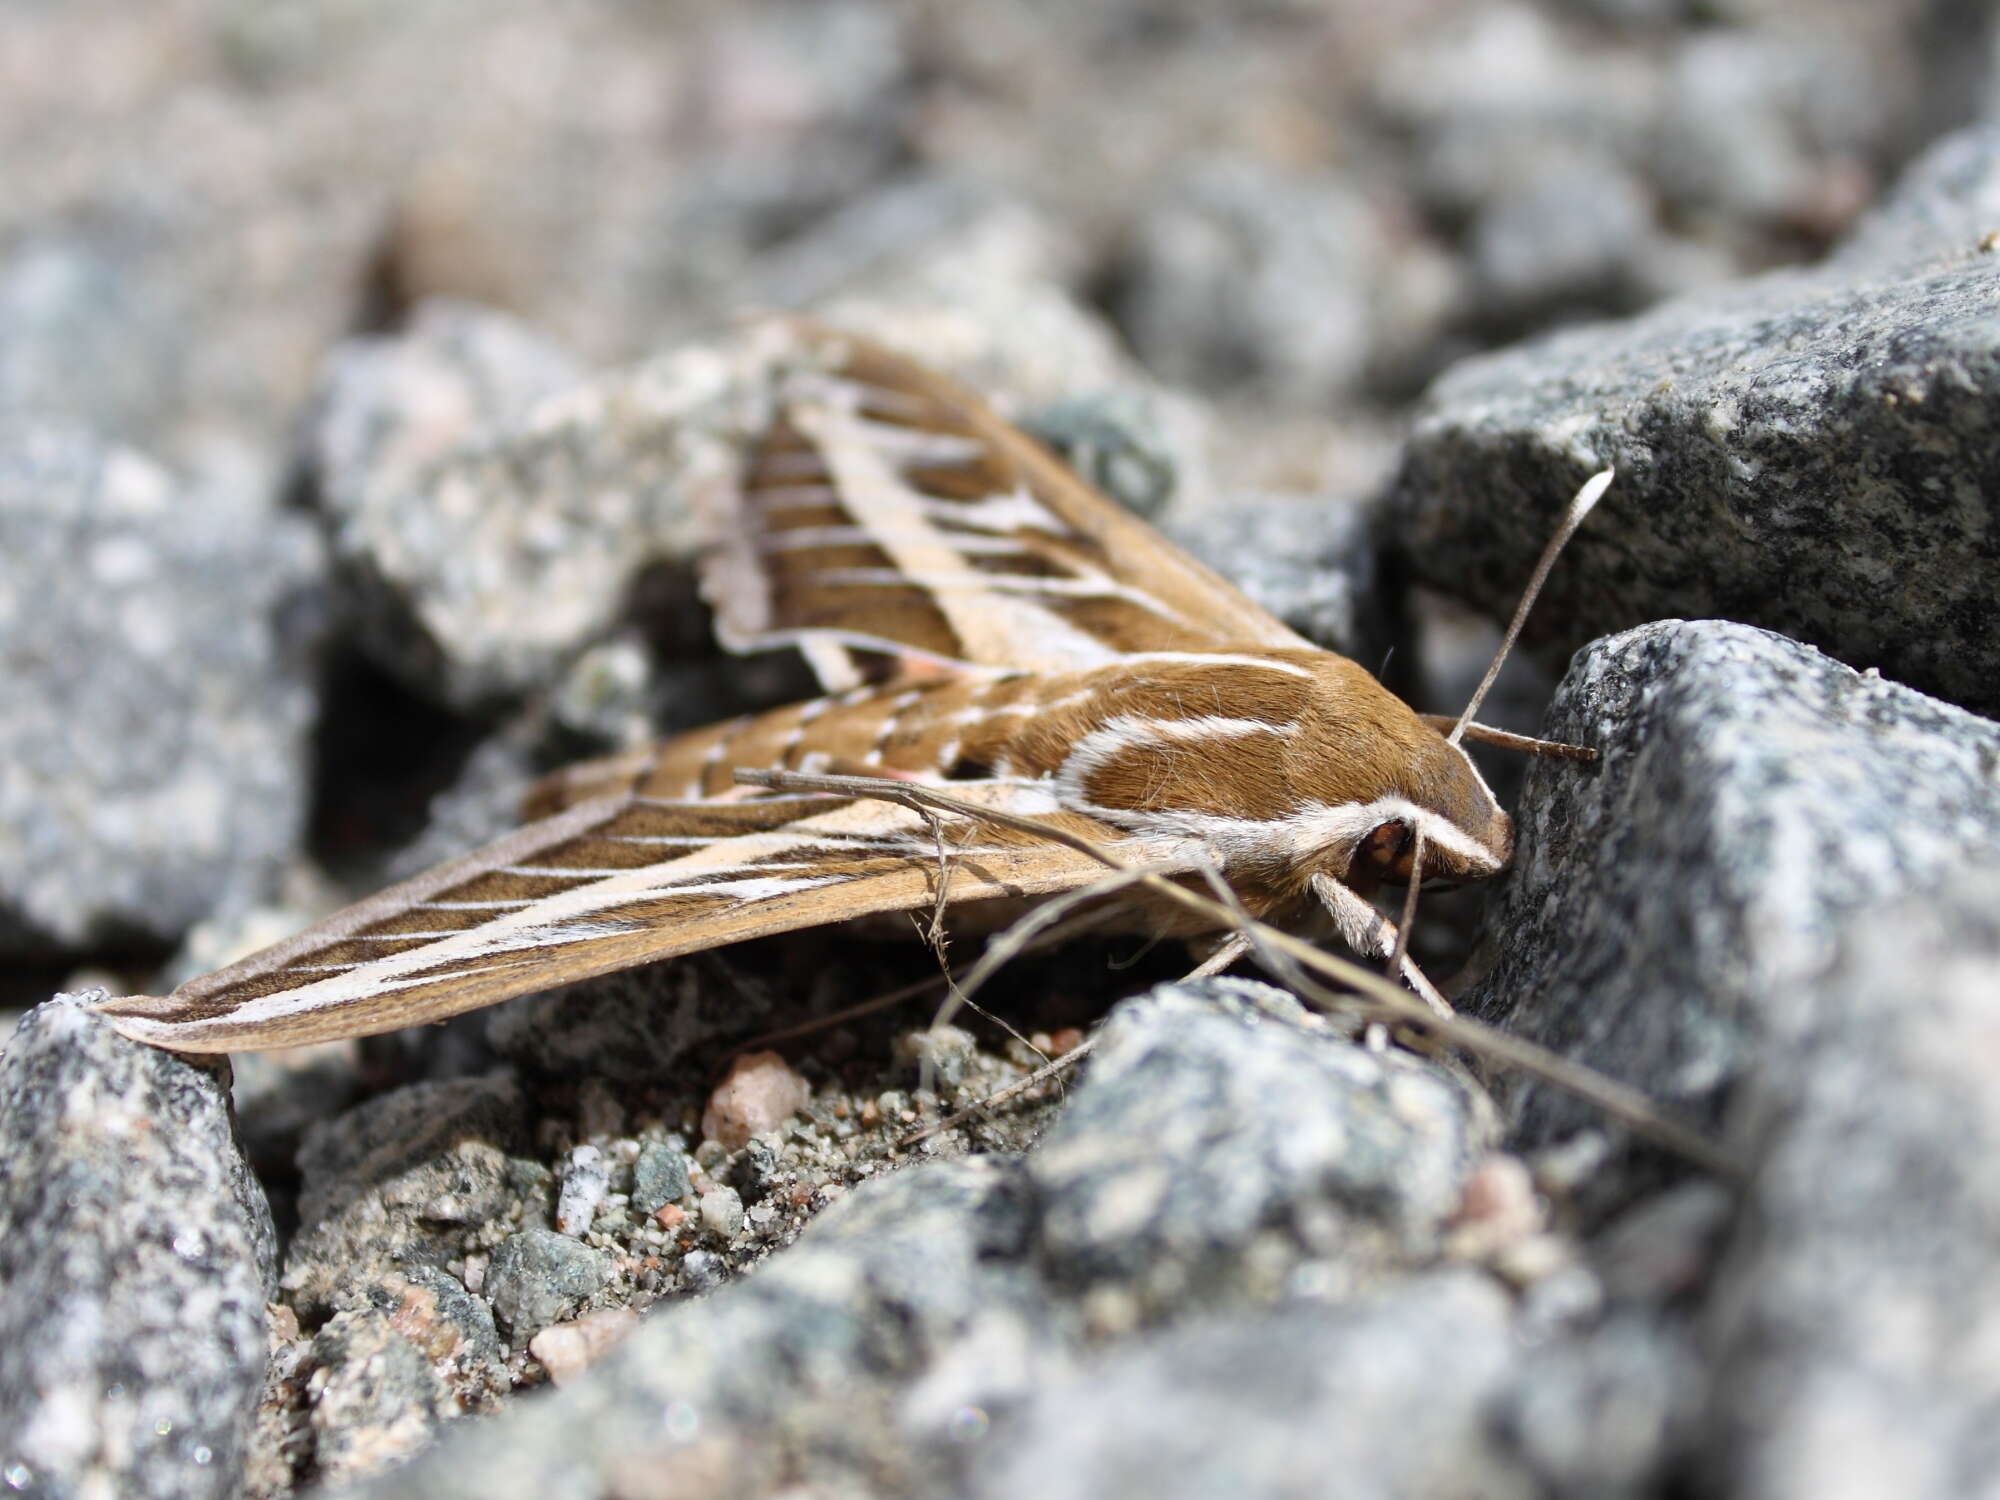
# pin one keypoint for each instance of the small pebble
(538, 1277)
(760, 1094)
(722, 1212)
(1498, 1208)
(670, 1216)
(659, 1177)
(566, 1350)
(585, 1183)
(704, 1270)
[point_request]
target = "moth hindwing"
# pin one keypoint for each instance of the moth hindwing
(977, 616)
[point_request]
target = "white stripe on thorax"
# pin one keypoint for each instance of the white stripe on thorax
(1217, 659)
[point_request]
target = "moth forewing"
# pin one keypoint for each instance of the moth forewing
(983, 620)
(470, 934)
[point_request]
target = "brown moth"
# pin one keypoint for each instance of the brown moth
(981, 620)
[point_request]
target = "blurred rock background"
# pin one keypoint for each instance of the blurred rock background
(1293, 214)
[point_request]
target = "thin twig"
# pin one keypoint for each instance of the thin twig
(1402, 947)
(853, 1012)
(1009, 945)
(1389, 1002)
(1233, 947)
(998, 1097)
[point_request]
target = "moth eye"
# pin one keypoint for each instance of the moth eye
(964, 769)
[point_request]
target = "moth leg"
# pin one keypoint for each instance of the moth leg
(1368, 932)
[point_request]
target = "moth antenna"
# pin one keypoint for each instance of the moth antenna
(1526, 744)
(1586, 498)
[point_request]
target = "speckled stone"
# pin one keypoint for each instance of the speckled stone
(1811, 451)
(1287, 1401)
(1674, 909)
(136, 1253)
(452, 1328)
(375, 1397)
(659, 1177)
(154, 643)
(1855, 1323)
(1223, 1137)
(539, 1277)
(586, 1179)
(563, 499)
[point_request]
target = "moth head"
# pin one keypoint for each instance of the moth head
(1380, 777)
(1451, 853)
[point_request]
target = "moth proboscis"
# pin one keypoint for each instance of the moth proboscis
(982, 622)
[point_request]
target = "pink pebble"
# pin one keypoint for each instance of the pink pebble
(760, 1094)
(566, 1350)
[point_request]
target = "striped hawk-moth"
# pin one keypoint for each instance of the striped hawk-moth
(980, 619)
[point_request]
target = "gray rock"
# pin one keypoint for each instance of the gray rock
(376, 1399)
(1758, 127)
(1489, 104)
(1113, 441)
(1808, 451)
(659, 1177)
(388, 407)
(273, 180)
(136, 1253)
(452, 1328)
(1674, 910)
(1855, 1322)
(1308, 559)
(633, 1026)
(1606, 1414)
(81, 344)
(539, 1277)
(1222, 1137)
(1580, 231)
(1222, 264)
(448, 525)
(153, 646)
(417, 1176)
(1594, 173)
(703, 1270)
(1388, 1396)
(985, 296)
(1665, 1248)
(1224, 1148)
